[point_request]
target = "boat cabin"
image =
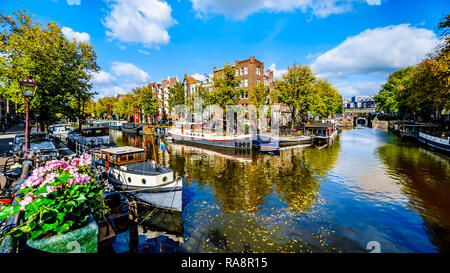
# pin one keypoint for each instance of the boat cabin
(94, 131)
(320, 130)
(122, 155)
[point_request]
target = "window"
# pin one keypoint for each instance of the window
(245, 82)
(258, 71)
(246, 70)
(242, 71)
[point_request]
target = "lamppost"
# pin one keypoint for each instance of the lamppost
(28, 88)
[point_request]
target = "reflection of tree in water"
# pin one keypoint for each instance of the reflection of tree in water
(298, 173)
(424, 176)
(244, 185)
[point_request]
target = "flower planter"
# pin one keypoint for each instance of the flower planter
(82, 240)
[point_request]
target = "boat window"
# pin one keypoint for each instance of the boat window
(143, 181)
(115, 158)
(123, 157)
(110, 158)
(98, 131)
(131, 156)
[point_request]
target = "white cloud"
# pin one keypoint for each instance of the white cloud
(199, 77)
(129, 70)
(277, 73)
(376, 52)
(374, 2)
(141, 21)
(239, 9)
(73, 35)
(74, 2)
(349, 89)
(143, 52)
(103, 78)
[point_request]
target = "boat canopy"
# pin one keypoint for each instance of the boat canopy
(123, 155)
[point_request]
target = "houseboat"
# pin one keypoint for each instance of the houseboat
(436, 142)
(126, 169)
(100, 123)
(116, 124)
(60, 130)
(131, 127)
(90, 138)
(324, 132)
(189, 132)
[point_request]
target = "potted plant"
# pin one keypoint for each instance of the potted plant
(59, 199)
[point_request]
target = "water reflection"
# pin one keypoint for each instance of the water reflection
(424, 178)
(368, 185)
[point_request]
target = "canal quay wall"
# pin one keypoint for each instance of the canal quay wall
(380, 124)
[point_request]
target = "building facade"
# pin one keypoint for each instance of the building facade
(360, 102)
(251, 72)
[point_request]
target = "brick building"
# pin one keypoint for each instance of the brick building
(250, 71)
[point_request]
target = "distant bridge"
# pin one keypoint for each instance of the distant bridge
(361, 116)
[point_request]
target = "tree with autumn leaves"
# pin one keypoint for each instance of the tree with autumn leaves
(423, 90)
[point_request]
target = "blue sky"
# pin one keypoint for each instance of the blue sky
(355, 43)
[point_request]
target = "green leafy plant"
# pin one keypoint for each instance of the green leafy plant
(58, 197)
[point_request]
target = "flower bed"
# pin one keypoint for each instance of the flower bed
(59, 197)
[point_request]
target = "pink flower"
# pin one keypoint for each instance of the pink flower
(25, 201)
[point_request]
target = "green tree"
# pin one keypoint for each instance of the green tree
(296, 90)
(327, 100)
(146, 100)
(176, 96)
(260, 95)
(62, 68)
(126, 106)
(387, 98)
(104, 105)
(226, 87)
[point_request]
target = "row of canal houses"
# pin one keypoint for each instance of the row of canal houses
(250, 71)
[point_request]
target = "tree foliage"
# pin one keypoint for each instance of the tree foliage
(421, 90)
(146, 99)
(226, 87)
(62, 68)
(303, 93)
(176, 96)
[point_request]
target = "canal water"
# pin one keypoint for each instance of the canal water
(368, 191)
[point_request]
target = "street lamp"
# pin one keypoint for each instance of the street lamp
(28, 88)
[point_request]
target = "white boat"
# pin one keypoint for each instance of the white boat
(60, 129)
(100, 123)
(194, 133)
(116, 124)
(439, 143)
(89, 138)
(127, 169)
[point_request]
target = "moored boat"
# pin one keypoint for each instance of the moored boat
(131, 127)
(116, 124)
(127, 169)
(193, 133)
(322, 132)
(90, 138)
(439, 143)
